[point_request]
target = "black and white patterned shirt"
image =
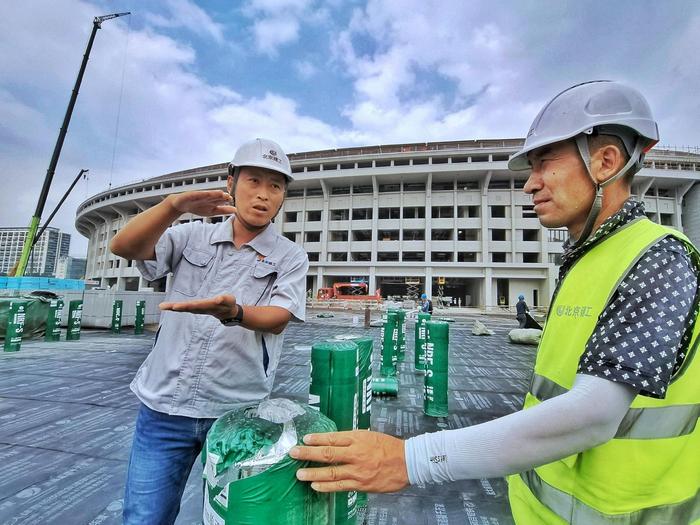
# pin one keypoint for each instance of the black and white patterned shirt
(643, 334)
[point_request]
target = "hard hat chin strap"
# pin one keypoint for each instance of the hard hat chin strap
(636, 159)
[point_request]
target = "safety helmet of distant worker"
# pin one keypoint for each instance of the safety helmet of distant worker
(602, 107)
(521, 297)
(261, 153)
(423, 296)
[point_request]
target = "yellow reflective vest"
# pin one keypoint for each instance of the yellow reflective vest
(649, 473)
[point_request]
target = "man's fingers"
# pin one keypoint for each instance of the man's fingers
(225, 210)
(338, 474)
(336, 439)
(325, 454)
(334, 486)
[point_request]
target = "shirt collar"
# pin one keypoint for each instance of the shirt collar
(630, 210)
(263, 243)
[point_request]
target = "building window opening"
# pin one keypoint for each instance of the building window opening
(388, 235)
(468, 235)
(362, 235)
(498, 235)
(361, 214)
(441, 256)
(387, 256)
(338, 235)
(313, 237)
(313, 216)
(361, 256)
(443, 212)
(498, 212)
(340, 215)
(441, 235)
(531, 235)
(447, 185)
(414, 213)
(414, 235)
(389, 213)
(466, 257)
(413, 256)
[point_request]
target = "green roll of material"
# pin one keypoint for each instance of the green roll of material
(365, 345)
(16, 314)
(140, 317)
(436, 351)
(390, 340)
(419, 356)
(401, 348)
(117, 316)
(334, 391)
(75, 317)
(53, 320)
(385, 386)
(250, 478)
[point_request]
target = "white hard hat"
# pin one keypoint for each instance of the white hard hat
(262, 153)
(609, 107)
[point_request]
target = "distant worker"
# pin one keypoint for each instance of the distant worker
(609, 433)
(521, 310)
(246, 282)
(426, 305)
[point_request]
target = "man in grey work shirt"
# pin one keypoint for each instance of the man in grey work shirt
(234, 288)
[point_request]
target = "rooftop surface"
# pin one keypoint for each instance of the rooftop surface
(67, 418)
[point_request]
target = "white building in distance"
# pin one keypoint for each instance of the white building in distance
(447, 218)
(52, 244)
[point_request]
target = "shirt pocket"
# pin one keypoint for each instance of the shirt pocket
(262, 279)
(192, 270)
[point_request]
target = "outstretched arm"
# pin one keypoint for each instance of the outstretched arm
(586, 416)
(271, 319)
(137, 240)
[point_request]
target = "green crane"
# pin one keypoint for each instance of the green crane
(36, 218)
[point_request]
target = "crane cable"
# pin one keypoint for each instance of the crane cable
(119, 104)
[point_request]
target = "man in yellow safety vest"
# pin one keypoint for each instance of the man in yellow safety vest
(609, 432)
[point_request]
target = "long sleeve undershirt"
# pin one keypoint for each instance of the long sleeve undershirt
(585, 416)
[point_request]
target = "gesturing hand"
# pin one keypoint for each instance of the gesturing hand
(204, 203)
(360, 460)
(221, 306)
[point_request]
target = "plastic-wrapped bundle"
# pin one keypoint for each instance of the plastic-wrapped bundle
(250, 478)
(436, 351)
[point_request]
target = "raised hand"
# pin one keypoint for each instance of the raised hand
(360, 460)
(204, 203)
(221, 306)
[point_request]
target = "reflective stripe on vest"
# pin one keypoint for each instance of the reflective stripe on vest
(638, 423)
(573, 510)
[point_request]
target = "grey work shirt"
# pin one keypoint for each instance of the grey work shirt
(198, 367)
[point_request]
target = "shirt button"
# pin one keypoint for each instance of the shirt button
(230, 253)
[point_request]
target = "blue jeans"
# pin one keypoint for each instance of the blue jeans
(162, 454)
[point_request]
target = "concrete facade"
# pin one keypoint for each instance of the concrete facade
(446, 218)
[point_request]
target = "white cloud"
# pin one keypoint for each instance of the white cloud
(188, 15)
(277, 22)
(305, 69)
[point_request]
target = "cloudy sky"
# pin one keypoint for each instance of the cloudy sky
(180, 83)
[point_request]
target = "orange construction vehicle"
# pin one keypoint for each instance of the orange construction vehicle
(350, 291)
